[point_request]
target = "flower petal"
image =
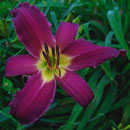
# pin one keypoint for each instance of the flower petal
(65, 34)
(75, 86)
(86, 54)
(33, 100)
(32, 28)
(20, 65)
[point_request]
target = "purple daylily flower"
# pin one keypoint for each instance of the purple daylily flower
(53, 58)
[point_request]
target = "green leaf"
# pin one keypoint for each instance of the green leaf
(114, 126)
(5, 111)
(48, 6)
(125, 69)
(76, 20)
(74, 115)
(69, 17)
(70, 8)
(83, 72)
(54, 19)
(121, 103)
(94, 121)
(3, 117)
(118, 17)
(86, 30)
(108, 100)
(4, 27)
(117, 31)
(126, 115)
(54, 120)
(127, 20)
(108, 39)
(97, 98)
(8, 86)
(107, 69)
(98, 26)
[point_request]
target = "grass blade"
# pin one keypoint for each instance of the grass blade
(117, 31)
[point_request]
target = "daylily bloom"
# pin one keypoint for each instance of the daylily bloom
(53, 58)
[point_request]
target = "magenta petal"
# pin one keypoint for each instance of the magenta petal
(32, 28)
(76, 87)
(33, 100)
(65, 34)
(86, 54)
(20, 65)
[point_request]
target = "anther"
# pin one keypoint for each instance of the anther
(44, 54)
(59, 72)
(46, 49)
(53, 51)
(58, 55)
(57, 51)
(53, 54)
(47, 58)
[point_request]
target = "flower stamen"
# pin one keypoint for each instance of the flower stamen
(52, 60)
(46, 55)
(59, 72)
(53, 55)
(58, 56)
(46, 49)
(48, 61)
